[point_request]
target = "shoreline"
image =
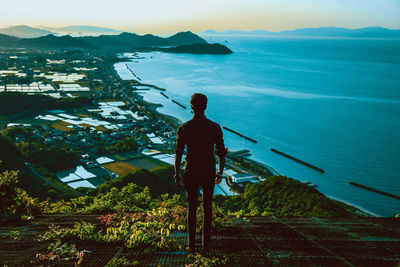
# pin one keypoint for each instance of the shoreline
(371, 213)
(356, 207)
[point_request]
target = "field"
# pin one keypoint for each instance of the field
(60, 125)
(146, 163)
(127, 155)
(120, 168)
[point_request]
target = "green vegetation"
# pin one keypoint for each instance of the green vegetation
(133, 213)
(63, 253)
(15, 234)
(159, 179)
(9, 155)
(283, 196)
(13, 103)
(127, 144)
(50, 157)
(12, 132)
(214, 49)
(45, 158)
(13, 200)
(252, 165)
(199, 260)
(117, 262)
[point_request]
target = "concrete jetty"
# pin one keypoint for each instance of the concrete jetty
(132, 72)
(153, 86)
(374, 190)
(140, 89)
(164, 95)
(243, 152)
(179, 104)
(241, 135)
(297, 160)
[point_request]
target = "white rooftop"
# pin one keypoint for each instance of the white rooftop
(103, 160)
(82, 183)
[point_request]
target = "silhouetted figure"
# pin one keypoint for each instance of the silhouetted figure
(199, 135)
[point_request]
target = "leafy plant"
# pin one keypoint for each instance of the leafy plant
(198, 260)
(63, 252)
(117, 262)
(15, 234)
(13, 200)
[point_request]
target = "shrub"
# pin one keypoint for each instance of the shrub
(13, 200)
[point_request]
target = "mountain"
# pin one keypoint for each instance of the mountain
(81, 30)
(212, 49)
(120, 42)
(51, 41)
(368, 32)
(7, 40)
(23, 31)
(132, 39)
(185, 38)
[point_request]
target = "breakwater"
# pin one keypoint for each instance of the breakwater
(297, 160)
(132, 72)
(179, 104)
(241, 135)
(140, 89)
(153, 86)
(243, 152)
(374, 190)
(164, 95)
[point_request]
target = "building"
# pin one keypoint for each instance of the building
(243, 177)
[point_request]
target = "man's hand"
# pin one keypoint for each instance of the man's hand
(218, 178)
(178, 179)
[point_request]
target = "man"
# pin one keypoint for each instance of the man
(199, 135)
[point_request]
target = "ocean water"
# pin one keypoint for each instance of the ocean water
(334, 103)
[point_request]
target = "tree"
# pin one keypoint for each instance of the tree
(13, 200)
(283, 196)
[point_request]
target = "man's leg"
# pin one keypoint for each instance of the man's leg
(192, 196)
(208, 191)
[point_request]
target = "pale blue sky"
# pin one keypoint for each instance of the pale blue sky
(168, 16)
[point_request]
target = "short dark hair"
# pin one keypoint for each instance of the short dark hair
(199, 101)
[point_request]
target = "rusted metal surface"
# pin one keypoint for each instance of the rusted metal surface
(253, 241)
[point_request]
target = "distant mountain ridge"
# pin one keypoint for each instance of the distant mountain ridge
(23, 31)
(368, 32)
(82, 30)
(121, 42)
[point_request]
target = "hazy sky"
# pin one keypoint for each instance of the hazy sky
(168, 16)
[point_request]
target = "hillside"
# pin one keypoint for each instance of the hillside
(7, 40)
(128, 226)
(123, 41)
(214, 49)
(51, 41)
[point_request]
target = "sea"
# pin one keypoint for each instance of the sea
(331, 102)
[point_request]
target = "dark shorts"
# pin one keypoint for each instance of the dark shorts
(199, 179)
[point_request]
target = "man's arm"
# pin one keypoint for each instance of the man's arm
(177, 167)
(221, 165)
(221, 152)
(179, 147)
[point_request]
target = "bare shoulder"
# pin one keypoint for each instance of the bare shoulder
(213, 124)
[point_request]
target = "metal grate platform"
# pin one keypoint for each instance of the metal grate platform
(254, 241)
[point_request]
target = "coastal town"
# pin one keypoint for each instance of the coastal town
(112, 132)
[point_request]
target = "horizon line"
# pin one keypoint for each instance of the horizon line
(43, 27)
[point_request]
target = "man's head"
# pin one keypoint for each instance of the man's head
(198, 102)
